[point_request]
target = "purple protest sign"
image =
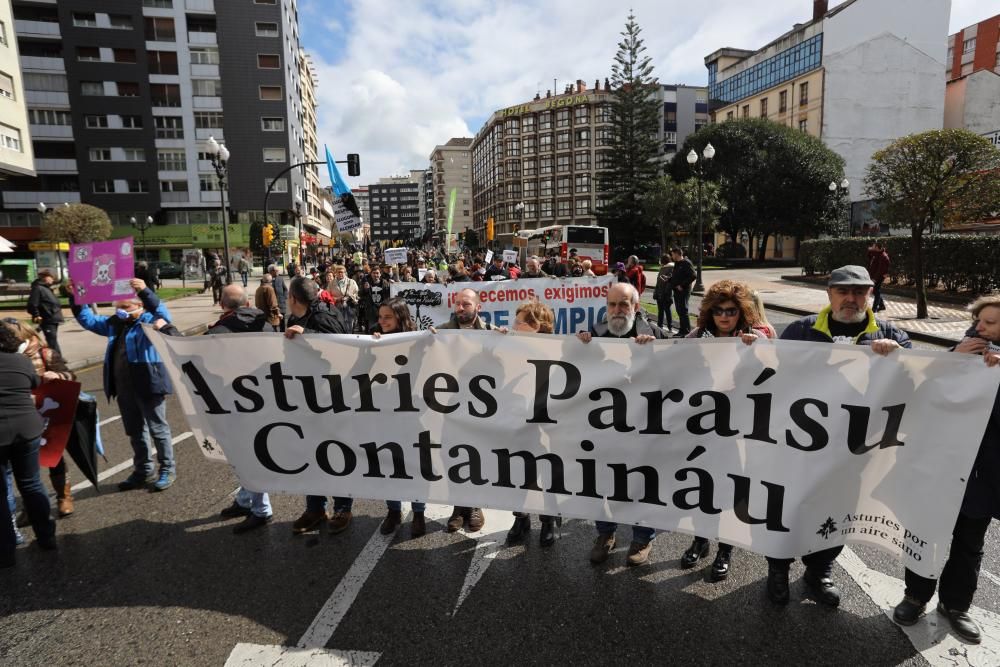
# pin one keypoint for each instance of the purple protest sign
(101, 271)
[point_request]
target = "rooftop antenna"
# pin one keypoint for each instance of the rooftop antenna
(555, 86)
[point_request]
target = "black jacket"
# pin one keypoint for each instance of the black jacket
(982, 495)
(19, 420)
(493, 270)
(320, 318)
(240, 320)
(683, 275)
(42, 302)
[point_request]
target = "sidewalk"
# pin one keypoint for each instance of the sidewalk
(945, 325)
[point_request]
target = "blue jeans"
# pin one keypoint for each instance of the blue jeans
(142, 417)
(640, 534)
(318, 504)
(23, 459)
(258, 503)
(8, 475)
(397, 506)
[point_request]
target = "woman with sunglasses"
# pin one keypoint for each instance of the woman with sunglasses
(727, 311)
(394, 317)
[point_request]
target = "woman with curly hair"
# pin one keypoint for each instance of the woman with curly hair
(727, 311)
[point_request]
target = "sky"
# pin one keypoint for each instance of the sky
(398, 77)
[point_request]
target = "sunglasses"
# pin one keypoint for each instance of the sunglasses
(725, 312)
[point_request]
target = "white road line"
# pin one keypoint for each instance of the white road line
(486, 550)
(256, 655)
(109, 420)
(124, 465)
(931, 635)
(992, 577)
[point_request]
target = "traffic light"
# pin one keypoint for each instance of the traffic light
(353, 164)
(516, 228)
(267, 235)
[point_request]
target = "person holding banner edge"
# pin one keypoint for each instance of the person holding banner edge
(394, 317)
(624, 320)
(848, 320)
(980, 506)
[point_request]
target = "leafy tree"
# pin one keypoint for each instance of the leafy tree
(940, 177)
(675, 206)
(635, 118)
(76, 223)
(471, 239)
(773, 179)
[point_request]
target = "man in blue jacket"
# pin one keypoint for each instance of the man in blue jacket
(848, 320)
(135, 375)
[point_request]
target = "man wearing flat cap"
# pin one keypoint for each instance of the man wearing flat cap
(848, 320)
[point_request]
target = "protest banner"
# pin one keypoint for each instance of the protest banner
(346, 214)
(488, 258)
(395, 255)
(782, 447)
(101, 271)
(577, 302)
(510, 256)
(56, 403)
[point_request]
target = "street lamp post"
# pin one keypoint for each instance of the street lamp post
(839, 190)
(699, 170)
(220, 161)
(142, 226)
(43, 210)
(298, 220)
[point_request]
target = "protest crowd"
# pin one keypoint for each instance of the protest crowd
(351, 293)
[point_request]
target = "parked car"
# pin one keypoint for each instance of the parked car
(167, 269)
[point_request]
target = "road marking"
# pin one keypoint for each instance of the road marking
(124, 465)
(992, 577)
(485, 552)
(254, 655)
(109, 420)
(931, 636)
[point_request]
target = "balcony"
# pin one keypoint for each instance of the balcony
(200, 5)
(36, 28)
(213, 103)
(202, 39)
(45, 98)
(204, 70)
(203, 133)
(38, 63)
(55, 165)
(213, 197)
(25, 199)
(175, 197)
(51, 131)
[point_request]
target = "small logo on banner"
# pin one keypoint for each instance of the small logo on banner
(828, 528)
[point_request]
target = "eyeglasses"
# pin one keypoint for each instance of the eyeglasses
(725, 312)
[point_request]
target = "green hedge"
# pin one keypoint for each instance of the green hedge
(953, 261)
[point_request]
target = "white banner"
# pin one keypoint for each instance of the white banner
(395, 255)
(577, 302)
(343, 217)
(784, 448)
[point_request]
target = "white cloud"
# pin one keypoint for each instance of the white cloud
(412, 74)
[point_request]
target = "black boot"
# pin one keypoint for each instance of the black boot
(547, 534)
(720, 566)
(520, 529)
(694, 553)
(777, 584)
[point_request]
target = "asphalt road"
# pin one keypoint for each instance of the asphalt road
(160, 579)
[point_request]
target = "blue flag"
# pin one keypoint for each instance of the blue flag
(339, 186)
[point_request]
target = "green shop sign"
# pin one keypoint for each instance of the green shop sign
(197, 236)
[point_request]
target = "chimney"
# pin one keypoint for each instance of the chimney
(819, 9)
(580, 86)
(548, 93)
(597, 84)
(607, 86)
(537, 97)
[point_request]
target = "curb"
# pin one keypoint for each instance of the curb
(83, 364)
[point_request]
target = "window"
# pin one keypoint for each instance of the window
(272, 124)
(171, 159)
(204, 55)
(6, 86)
(603, 160)
(173, 186)
(545, 187)
(530, 168)
(528, 145)
(10, 138)
(268, 61)
(782, 66)
(270, 93)
(3, 34)
(208, 182)
(88, 54)
(158, 4)
(127, 88)
(528, 123)
(169, 127)
(530, 188)
(105, 185)
(562, 141)
(51, 83)
(135, 155)
(165, 94)
(746, 110)
(121, 21)
(582, 138)
(545, 120)
(581, 115)
(280, 185)
(206, 87)
(132, 122)
(582, 183)
(49, 117)
(763, 108)
(803, 94)
(804, 125)
(729, 115)
(274, 155)
(545, 143)
(545, 165)
(95, 121)
(604, 113)
(265, 2)
(669, 139)
(562, 163)
(163, 62)
(84, 19)
(159, 29)
(562, 118)
(265, 29)
(583, 206)
(545, 209)
(969, 45)
(603, 136)
(136, 185)
(564, 207)
(207, 119)
(513, 148)
(124, 55)
(562, 185)
(100, 154)
(91, 88)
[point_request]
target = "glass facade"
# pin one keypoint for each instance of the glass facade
(777, 69)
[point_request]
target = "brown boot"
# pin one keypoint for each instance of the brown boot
(65, 501)
(457, 519)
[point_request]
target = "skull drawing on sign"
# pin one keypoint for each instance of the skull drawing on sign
(103, 273)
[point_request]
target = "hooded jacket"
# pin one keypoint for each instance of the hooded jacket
(241, 320)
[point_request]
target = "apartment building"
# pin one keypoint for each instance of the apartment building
(972, 91)
(685, 111)
(16, 155)
(396, 204)
(451, 168)
(122, 96)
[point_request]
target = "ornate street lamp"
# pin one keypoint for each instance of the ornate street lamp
(219, 155)
(838, 190)
(142, 226)
(699, 169)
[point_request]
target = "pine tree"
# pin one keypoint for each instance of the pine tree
(635, 117)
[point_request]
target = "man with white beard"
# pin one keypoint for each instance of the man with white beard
(624, 320)
(848, 320)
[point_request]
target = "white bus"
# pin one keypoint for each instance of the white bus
(580, 241)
